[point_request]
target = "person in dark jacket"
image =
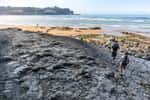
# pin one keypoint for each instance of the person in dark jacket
(124, 62)
(115, 47)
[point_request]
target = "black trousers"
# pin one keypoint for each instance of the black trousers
(114, 54)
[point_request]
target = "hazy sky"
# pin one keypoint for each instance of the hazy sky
(88, 6)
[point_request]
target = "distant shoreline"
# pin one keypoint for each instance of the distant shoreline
(35, 11)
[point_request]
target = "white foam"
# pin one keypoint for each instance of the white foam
(138, 21)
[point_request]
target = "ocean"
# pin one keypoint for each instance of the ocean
(111, 24)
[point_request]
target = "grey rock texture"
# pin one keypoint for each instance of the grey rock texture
(36, 66)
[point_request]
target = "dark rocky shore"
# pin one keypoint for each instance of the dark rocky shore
(37, 66)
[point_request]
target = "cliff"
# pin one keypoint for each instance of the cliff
(35, 11)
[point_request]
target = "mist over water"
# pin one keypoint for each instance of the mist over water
(110, 23)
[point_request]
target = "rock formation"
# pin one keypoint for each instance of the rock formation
(36, 66)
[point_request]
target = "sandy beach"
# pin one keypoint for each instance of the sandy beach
(58, 31)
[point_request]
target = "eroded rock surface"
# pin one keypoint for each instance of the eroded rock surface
(35, 66)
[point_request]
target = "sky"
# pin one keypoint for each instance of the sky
(88, 6)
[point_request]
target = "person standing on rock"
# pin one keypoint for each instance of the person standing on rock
(115, 47)
(124, 62)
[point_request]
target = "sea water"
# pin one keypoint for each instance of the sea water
(111, 24)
